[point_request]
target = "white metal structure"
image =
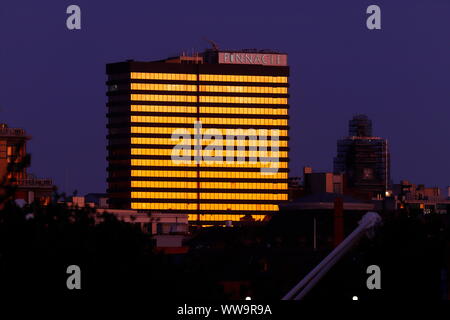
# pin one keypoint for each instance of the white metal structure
(366, 226)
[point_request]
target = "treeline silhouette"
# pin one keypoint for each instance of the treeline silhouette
(38, 243)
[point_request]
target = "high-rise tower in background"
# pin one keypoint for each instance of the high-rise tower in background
(364, 159)
(207, 97)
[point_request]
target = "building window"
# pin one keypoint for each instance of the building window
(367, 173)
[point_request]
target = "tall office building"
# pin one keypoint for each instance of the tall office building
(205, 135)
(364, 159)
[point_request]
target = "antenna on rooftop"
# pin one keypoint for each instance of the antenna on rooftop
(213, 44)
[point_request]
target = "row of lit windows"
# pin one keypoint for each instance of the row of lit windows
(164, 76)
(243, 196)
(184, 109)
(206, 163)
(230, 153)
(243, 175)
(245, 89)
(267, 111)
(206, 77)
(163, 206)
(224, 217)
(163, 97)
(224, 132)
(243, 185)
(154, 119)
(163, 87)
(208, 196)
(186, 87)
(240, 207)
(208, 174)
(210, 142)
(165, 173)
(158, 163)
(203, 206)
(164, 195)
(242, 78)
(207, 99)
(208, 185)
(250, 100)
(243, 121)
(181, 109)
(164, 184)
(227, 121)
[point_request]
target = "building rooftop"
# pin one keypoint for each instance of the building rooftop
(266, 57)
(5, 131)
(326, 197)
(325, 201)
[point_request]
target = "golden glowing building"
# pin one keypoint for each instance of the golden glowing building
(224, 113)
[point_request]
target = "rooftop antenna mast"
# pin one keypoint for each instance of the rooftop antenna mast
(214, 45)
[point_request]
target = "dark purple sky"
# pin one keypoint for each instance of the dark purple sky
(53, 79)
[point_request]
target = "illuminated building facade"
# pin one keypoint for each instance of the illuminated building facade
(233, 107)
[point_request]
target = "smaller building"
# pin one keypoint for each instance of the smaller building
(327, 202)
(169, 230)
(100, 200)
(295, 188)
(322, 182)
(323, 219)
(421, 199)
(16, 182)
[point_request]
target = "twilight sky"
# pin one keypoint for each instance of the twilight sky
(53, 80)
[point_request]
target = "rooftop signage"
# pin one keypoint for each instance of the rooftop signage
(265, 59)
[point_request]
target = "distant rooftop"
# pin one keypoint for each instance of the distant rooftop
(248, 50)
(360, 126)
(5, 131)
(267, 57)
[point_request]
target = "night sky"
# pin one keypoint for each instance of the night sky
(53, 80)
